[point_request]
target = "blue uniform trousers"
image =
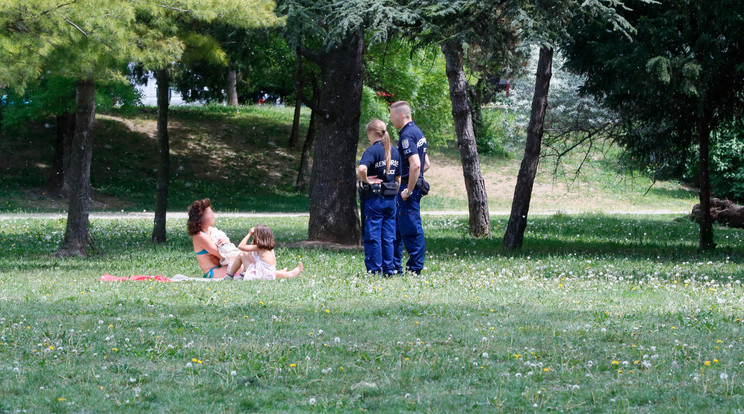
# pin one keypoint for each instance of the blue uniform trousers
(409, 233)
(379, 234)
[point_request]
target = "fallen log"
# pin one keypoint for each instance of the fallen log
(723, 212)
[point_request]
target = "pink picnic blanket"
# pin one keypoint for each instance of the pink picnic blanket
(136, 278)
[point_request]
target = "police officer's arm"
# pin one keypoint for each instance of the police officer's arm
(414, 170)
(363, 175)
(427, 163)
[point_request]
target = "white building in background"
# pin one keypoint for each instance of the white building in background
(149, 93)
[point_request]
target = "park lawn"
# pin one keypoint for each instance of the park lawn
(596, 314)
(239, 158)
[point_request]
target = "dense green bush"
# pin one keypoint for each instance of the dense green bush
(726, 163)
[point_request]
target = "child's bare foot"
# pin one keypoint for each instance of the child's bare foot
(297, 270)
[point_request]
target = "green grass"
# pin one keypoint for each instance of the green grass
(596, 314)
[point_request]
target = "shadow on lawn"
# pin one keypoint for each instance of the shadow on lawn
(595, 235)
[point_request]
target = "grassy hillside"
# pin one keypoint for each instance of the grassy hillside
(240, 160)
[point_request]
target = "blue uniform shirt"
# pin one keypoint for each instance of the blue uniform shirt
(374, 159)
(411, 141)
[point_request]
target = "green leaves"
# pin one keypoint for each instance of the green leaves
(660, 68)
(92, 39)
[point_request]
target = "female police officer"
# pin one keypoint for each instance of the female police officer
(379, 169)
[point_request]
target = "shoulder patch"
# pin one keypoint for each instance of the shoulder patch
(405, 144)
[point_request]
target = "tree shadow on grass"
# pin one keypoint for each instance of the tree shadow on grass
(613, 237)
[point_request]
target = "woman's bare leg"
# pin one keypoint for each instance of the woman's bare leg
(284, 274)
(220, 272)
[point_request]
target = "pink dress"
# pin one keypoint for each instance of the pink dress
(259, 270)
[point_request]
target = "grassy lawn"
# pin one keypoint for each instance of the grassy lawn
(596, 314)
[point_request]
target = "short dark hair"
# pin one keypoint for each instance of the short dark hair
(263, 237)
(196, 214)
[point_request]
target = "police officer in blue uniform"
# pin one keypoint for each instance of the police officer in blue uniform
(414, 162)
(379, 170)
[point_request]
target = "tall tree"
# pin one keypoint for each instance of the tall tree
(342, 29)
(188, 37)
(294, 135)
(545, 24)
(87, 41)
(678, 79)
(474, 35)
(479, 217)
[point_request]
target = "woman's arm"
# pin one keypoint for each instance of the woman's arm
(205, 242)
(362, 171)
(244, 246)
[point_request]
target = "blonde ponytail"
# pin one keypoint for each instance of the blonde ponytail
(388, 154)
(380, 129)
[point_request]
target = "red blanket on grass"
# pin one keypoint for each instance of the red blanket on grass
(136, 278)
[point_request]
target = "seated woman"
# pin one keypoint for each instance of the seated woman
(212, 261)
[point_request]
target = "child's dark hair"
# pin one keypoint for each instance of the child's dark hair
(196, 214)
(263, 237)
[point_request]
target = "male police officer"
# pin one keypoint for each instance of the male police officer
(414, 162)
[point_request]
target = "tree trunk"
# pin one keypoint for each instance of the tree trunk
(304, 170)
(57, 185)
(706, 220)
(232, 87)
(161, 205)
(294, 136)
(76, 234)
(527, 171)
(333, 207)
(480, 220)
(475, 98)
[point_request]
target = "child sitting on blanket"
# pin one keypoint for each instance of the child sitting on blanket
(258, 258)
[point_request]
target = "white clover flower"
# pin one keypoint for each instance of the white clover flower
(724, 376)
(233, 373)
(312, 401)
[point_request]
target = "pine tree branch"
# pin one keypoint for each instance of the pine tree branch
(76, 26)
